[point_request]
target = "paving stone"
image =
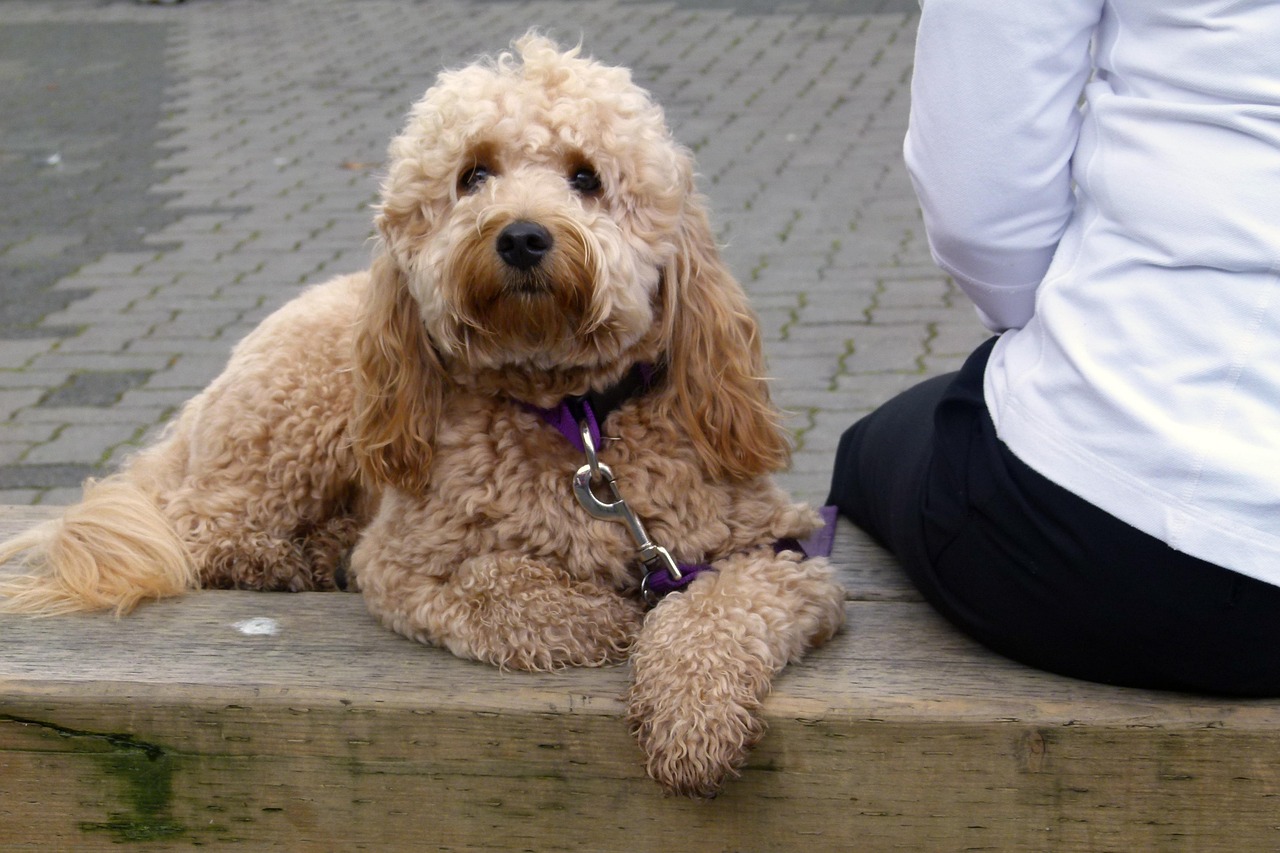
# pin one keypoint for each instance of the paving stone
(80, 444)
(103, 362)
(25, 496)
(94, 388)
(235, 148)
(112, 334)
(15, 399)
(80, 107)
(11, 452)
(190, 372)
(14, 354)
(876, 387)
(43, 422)
(147, 399)
(43, 476)
(61, 496)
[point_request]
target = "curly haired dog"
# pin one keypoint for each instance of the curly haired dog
(541, 240)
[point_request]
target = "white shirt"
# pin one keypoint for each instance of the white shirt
(1124, 228)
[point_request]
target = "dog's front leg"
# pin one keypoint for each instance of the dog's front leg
(705, 658)
(505, 609)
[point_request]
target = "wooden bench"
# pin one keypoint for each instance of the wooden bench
(293, 722)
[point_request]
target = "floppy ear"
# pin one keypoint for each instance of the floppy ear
(715, 362)
(399, 384)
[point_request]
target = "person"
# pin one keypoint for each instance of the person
(1097, 491)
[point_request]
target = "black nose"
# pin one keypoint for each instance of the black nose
(524, 244)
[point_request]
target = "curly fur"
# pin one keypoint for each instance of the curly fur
(385, 416)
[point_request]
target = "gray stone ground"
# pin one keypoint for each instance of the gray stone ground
(171, 174)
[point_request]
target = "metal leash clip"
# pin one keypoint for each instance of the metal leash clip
(654, 557)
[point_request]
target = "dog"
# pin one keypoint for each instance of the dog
(541, 408)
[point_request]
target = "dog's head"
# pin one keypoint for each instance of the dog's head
(541, 233)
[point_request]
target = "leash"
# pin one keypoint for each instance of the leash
(662, 574)
(579, 419)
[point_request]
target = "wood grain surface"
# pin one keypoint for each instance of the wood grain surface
(259, 721)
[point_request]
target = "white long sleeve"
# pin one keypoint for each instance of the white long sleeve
(993, 124)
(1130, 247)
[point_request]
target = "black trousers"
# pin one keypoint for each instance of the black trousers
(1036, 573)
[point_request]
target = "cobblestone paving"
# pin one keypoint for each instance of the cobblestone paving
(172, 173)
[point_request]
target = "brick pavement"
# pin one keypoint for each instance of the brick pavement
(171, 174)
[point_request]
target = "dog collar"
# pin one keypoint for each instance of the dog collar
(594, 407)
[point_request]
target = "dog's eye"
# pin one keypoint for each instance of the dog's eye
(584, 180)
(472, 178)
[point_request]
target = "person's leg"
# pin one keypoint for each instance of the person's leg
(1042, 576)
(1035, 572)
(883, 464)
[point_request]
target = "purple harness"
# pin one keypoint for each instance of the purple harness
(579, 418)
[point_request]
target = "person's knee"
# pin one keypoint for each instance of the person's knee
(846, 478)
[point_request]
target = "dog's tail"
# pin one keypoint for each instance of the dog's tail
(112, 550)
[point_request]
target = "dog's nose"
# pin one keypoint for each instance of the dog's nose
(524, 244)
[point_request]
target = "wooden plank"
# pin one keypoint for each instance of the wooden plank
(176, 727)
(867, 571)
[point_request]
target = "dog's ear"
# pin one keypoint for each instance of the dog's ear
(715, 361)
(399, 384)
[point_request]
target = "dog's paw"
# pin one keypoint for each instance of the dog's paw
(697, 683)
(519, 613)
(693, 743)
(587, 627)
(506, 610)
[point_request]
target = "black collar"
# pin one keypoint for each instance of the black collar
(639, 379)
(594, 407)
